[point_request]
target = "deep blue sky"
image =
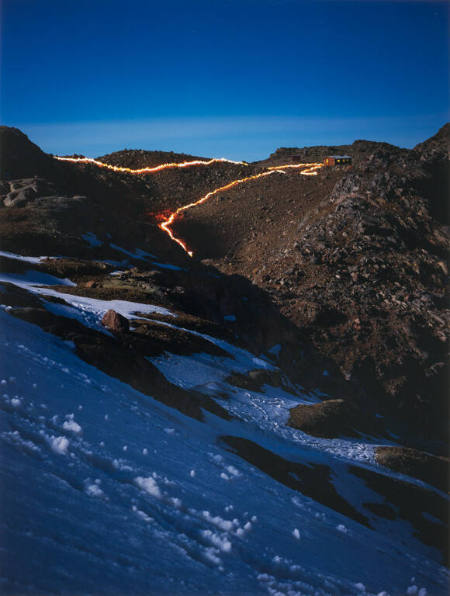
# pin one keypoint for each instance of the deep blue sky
(223, 77)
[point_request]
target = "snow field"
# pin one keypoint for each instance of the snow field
(102, 481)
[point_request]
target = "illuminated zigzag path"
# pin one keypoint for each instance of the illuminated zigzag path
(311, 169)
(308, 169)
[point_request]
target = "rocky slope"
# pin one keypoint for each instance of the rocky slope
(138, 158)
(344, 271)
(356, 258)
(97, 219)
(50, 204)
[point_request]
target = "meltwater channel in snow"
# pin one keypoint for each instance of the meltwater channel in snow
(107, 491)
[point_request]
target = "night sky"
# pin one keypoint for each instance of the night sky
(233, 78)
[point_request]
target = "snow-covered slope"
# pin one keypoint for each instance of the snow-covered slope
(108, 491)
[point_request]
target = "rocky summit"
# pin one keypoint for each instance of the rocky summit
(298, 359)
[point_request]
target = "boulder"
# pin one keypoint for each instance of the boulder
(430, 468)
(115, 322)
(329, 419)
(20, 197)
(255, 379)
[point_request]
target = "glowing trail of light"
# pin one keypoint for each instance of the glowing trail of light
(165, 225)
(150, 170)
(168, 222)
(293, 165)
(312, 168)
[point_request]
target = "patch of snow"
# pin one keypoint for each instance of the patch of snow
(230, 318)
(11, 255)
(233, 471)
(59, 445)
(72, 426)
(30, 279)
(275, 350)
(222, 524)
(168, 266)
(121, 465)
(22, 444)
(144, 253)
(139, 254)
(210, 555)
(91, 239)
(90, 311)
(149, 485)
(93, 490)
(222, 544)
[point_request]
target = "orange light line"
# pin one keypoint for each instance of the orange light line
(164, 166)
(166, 225)
(312, 168)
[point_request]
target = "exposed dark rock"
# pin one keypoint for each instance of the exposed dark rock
(125, 361)
(331, 418)
(356, 258)
(311, 479)
(19, 157)
(255, 379)
(436, 147)
(426, 467)
(12, 295)
(139, 158)
(151, 338)
(427, 511)
(115, 322)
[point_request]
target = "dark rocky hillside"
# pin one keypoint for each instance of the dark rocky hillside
(49, 204)
(436, 147)
(97, 219)
(358, 150)
(346, 270)
(20, 158)
(357, 259)
(138, 158)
